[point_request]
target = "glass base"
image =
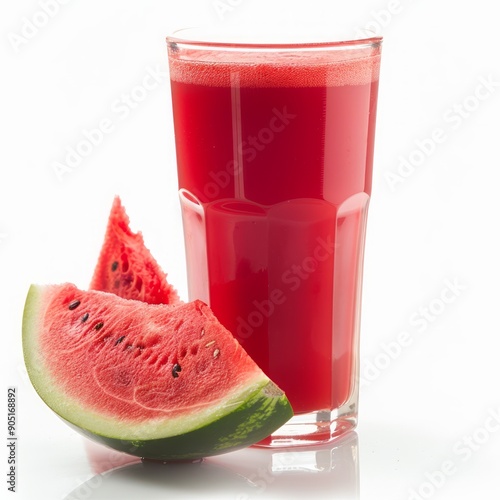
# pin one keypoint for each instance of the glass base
(312, 429)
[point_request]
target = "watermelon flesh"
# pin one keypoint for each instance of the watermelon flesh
(126, 267)
(156, 381)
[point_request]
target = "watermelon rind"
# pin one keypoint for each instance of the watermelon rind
(251, 411)
(261, 413)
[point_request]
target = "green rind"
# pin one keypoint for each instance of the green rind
(263, 409)
(258, 417)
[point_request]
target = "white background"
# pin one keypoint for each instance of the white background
(432, 236)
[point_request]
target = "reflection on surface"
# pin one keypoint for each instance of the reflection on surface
(102, 459)
(329, 471)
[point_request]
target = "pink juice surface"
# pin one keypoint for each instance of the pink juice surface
(274, 163)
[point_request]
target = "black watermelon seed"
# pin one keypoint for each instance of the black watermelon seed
(85, 317)
(175, 370)
(114, 266)
(120, 340)
(99, 325)
(74, 305)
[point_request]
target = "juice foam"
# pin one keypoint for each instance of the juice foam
(262, 68)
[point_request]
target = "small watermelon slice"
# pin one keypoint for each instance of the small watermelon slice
(156, 381)
(126, 267)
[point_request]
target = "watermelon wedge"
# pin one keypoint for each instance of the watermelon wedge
(160, 382)
(126, 267)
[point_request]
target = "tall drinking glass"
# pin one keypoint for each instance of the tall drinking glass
(274, 147)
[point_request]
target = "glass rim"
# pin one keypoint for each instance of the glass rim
(198, 42)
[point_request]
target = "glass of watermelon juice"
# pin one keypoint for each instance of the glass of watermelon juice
(274, 146)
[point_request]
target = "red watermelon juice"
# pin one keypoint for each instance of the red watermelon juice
(274, 153)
